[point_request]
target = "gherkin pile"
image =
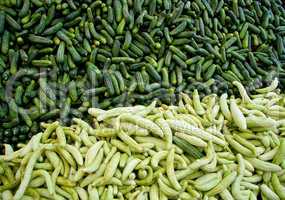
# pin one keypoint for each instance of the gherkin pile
(59, 57)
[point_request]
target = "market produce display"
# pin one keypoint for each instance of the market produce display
(204, 148)
(59, 57)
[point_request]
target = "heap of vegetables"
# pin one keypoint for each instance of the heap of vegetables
(67, 55)
(204, 148)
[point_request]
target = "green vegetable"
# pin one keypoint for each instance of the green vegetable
(153, 48)
(163, 152)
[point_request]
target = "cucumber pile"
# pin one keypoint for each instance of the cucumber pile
(211, 148)
(59, 57)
